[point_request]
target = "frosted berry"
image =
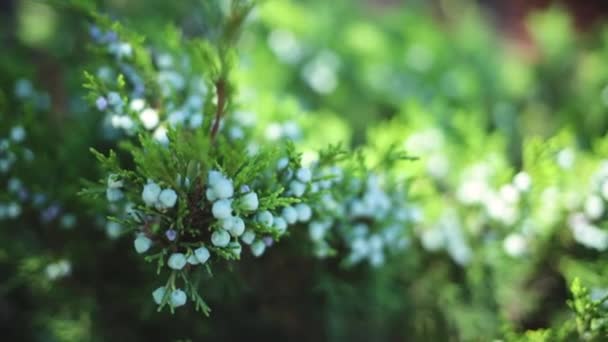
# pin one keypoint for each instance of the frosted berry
(248, 237)
(158, 295)
(258, 248)
(167, 198)
(177, 261)
(265, 218)
(192, 260)
(316, 231)
(223, 188)
(113, 194)
(222, 209)
(202, 254)
(280, 224)
(210, 194)
(250, 201)
(142, 244)
(227, 223)
(149, 118)
(304, 175)
(178, 298)
(114, 99)
(282, 163)
(220, 238)
(238, 226)
(290, 214)
(150, 193)
(304, 212)
(214, 176)
(297, 188)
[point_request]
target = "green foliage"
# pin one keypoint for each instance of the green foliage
(590, 314)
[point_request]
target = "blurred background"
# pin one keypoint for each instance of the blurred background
(505, 87)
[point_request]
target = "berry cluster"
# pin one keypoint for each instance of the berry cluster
(208, 216)
(367, 216)
(181, 92)
(584, 221)
(15, 157)
(11, 151)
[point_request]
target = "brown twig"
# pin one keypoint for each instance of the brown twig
(220, 87)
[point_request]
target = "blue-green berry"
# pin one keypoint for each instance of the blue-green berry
(192, 260)
(202, 254)
(223, 188)
(316, 231)
(227, 223)
(280, 224)
(114, 194)
(222, 209)
(237, 227)
(220, 238)
(297, 188)
(142, 244)
(150, 193)
(265, 218)
(258, 248)
(178, 298)
(250, 201)
(290, 214)
(248, 237)
(158, 295)
(304, 175)
(210, 194)
(304, 212)
(167, 198)
(177, 261)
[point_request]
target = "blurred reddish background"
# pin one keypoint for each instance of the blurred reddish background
(511, 14)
